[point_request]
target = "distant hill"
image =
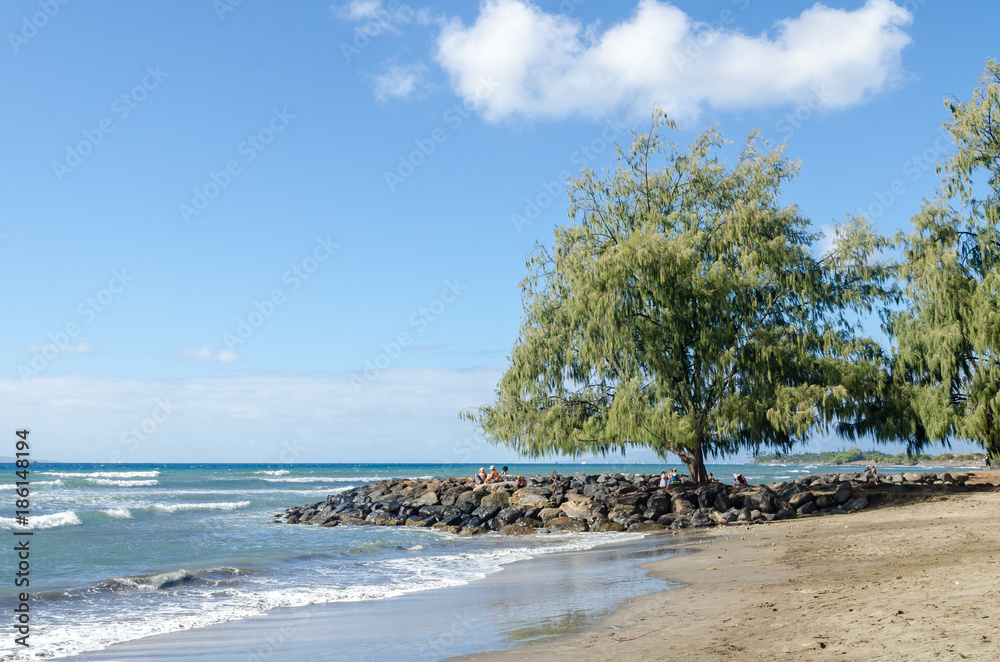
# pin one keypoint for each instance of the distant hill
(855, 455)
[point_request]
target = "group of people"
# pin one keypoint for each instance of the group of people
(494, 476)
(667, 479)
(873, 472)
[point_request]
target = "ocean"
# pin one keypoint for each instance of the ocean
(121, 552)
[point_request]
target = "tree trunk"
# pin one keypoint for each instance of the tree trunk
(694, 460)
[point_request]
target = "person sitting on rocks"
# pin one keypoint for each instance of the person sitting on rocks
(521, 482)
(739, 479)
(663, 479)
(494, 476)
(875, 474)
(503, 473)
(673, 477)
(711, 478)
(481, 476)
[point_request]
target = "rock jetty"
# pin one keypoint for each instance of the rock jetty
(607, 502)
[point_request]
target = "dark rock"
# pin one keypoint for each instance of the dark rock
(800, 499)
(499, 498)
(603, 525)
(567, 524)
(843, 493)
(856, 503)
(509, 515)
(486, 512)
(807, 508)
(681, 506)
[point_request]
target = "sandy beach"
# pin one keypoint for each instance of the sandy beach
(904, 582)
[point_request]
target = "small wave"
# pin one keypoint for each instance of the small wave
(172, 579)
(152, 582)
(37, 483)
(103, 474)
(221, 505)
(65, 518)
(120, 513)
(280, 472)
(123, 483)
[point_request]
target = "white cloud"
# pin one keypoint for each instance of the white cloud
(373, 18)
(205, 354)
(79, 348)
(402, 415)
(549, 65)
(400, 81)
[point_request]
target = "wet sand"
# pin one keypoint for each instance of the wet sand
(918, 581)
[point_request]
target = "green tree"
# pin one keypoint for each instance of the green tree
(684, 311)
(947, 361)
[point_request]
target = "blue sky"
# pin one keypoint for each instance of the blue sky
(261, 231)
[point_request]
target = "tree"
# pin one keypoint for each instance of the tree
(948, 341)
(684, 312)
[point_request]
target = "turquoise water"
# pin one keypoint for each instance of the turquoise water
(121, 552)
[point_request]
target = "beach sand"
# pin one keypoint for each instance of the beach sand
(919, 581)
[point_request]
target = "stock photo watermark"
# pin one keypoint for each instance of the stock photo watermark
(263, 309)
(380, 21)
(581, 158)
(453, 118)
(913, 168)
(30, 25)
(87, 311)
(219, 180)
(139, 433)
(419, 322)
(122, 108)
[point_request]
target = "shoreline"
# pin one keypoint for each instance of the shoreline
(499, 611)
(899, 582)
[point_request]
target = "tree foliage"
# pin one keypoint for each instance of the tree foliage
(684, 311)
(947, 361)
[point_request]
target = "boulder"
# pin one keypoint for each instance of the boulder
(509, 515)
(516, 530)
(681, 506)
(699, 519)
(621, 513)
(580, 506)
(807, 508)
(425, 498)
(637, 499)
(913, 477)
(763, 500)
(545, 514)
(530, 496)
(722, 502)
(567, 524)
(603, 525)
(800, 499)
(467, 501)
(500, 499)
(843, 493)
(856, 503)
(486, 512)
